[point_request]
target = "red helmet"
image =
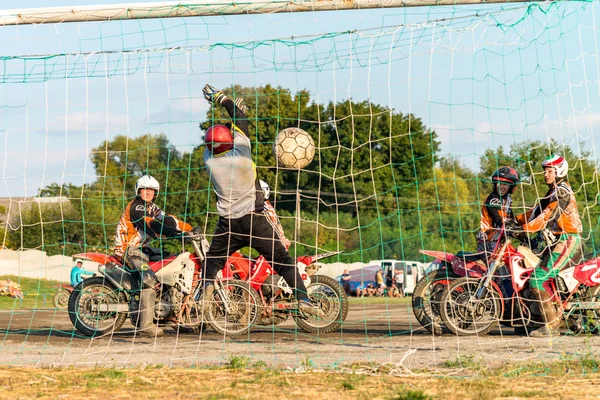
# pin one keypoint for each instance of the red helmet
(218, 139)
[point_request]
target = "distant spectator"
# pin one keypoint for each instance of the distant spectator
(380, 283)
(393, 291)
(76, 273)
(346, 282)
(399, 281)
(361, 290)
(389, 278)
(371, 290)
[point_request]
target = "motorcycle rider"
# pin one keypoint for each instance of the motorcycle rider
(141, 222)
(77, 271)
(497, 209)
(556, 216)
(240, 202)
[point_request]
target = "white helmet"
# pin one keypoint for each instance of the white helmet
(265, 188)
(559, 163)
(147, 182)
(79, 260)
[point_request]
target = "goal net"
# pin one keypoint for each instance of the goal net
(411, 111)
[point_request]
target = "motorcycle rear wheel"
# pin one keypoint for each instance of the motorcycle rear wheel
(61, 299)
(245, 303)
(333, 301)
(93, 292)
(463, 315)
(426, 299)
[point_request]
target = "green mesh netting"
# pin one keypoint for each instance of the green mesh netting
(411, 111)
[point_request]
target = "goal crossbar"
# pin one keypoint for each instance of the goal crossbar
(171, 9)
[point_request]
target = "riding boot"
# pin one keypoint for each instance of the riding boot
(146, 324)
(548, 314)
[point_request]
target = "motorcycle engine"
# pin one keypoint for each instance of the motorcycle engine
(269, 286)
(168, 304)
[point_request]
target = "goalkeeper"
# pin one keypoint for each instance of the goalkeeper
(243, 220)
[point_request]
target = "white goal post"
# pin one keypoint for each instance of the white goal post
(170, 9)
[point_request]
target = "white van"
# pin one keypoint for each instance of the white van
(413, 271)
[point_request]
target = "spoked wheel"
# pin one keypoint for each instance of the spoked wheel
(233, 309)
(61, 299)
(427, 298)
(465, 315)
(88, 300)
(590, 321)
(331, 298)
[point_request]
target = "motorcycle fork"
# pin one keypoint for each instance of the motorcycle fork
(223, 294)
(485, 283)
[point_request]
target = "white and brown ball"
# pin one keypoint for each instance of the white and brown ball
(294, 148)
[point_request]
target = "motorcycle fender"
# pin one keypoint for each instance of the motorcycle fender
(588, 273)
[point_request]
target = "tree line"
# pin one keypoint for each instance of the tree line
(377, 188)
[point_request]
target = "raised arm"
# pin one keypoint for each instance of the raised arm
(236, 109)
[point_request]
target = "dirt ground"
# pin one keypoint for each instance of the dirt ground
(377, 333)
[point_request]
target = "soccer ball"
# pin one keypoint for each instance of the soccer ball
(294, 148)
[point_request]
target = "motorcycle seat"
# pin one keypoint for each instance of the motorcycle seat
(471, 256)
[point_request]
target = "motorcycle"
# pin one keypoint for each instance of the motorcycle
(101, 304)
(276, 297)
(61, 297)
(474, 305)
(427, 295)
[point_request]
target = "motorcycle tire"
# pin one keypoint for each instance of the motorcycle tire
(591, 320)
(460, 312)
(61, 299)
(91, 291)
(246, 303)
(428, 315)
(336, 312)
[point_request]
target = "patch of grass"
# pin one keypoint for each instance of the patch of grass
(469, 362)
(521, 393)
(238, 362)
(106, 374)
(351, 381)
(38, 293)
(307, 362)
(409, 394)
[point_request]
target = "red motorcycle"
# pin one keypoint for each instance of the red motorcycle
(100, 305)
(427, 295)
(277, 300)
(474, 305)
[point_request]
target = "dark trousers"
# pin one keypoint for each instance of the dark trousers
(252, 230)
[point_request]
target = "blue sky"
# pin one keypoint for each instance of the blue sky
(480, 81)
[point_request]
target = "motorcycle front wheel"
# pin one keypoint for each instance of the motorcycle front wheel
(464, 314)
(427, 297)
(87, 298)
(331, 298)
(233, 308)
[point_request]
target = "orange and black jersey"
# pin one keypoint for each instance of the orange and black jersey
(556, 211)
(495, 211)
(142, 222)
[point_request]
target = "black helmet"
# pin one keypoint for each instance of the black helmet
(506, 176)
